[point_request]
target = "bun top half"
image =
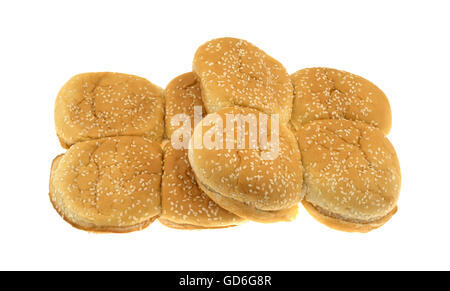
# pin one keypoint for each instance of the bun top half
(245, 173)
(97, 105)
(351, 170)
(108, 183)
(235, 72)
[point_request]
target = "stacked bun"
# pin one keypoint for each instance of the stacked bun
(241, 180)
(109, 180)
(352, 174)
(236, 140)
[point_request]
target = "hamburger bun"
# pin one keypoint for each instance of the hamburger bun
(97, 105)
(243, 179)
(351, 174)
(235, 72)
(184, 204)
(324, 93)
(108, 185)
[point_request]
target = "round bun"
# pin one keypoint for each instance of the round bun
(181, 95)
(324, 93)
(235, 72)
(96, 105)
(108, 185)
(184, 205)
(244, 180)
(352, 174)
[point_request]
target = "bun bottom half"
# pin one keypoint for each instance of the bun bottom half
(186, 226)
(342, 224)
(247, 211)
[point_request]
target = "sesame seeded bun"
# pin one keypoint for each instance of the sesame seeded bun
(184, 204)
(108, 185)
(352, 174)
(181, 95)
(235, 72)
(240, 180)
(324, 93)
(96, 105)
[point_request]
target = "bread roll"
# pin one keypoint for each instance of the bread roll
(108, 185)
(184, 204)
(243, 179)
(352, 174)
(324, 93)
(235, 72)
(96, 105)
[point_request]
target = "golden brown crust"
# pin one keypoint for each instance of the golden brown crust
(270, 186)
(63, 144)
(94, 229)
(182, 201)
(181, 95)
(97, 105)
(351, 170)
(184, 205)
(88, 192)
(325, 93)
(235, 72)
(343, 225)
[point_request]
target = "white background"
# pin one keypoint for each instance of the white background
(402, 46)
